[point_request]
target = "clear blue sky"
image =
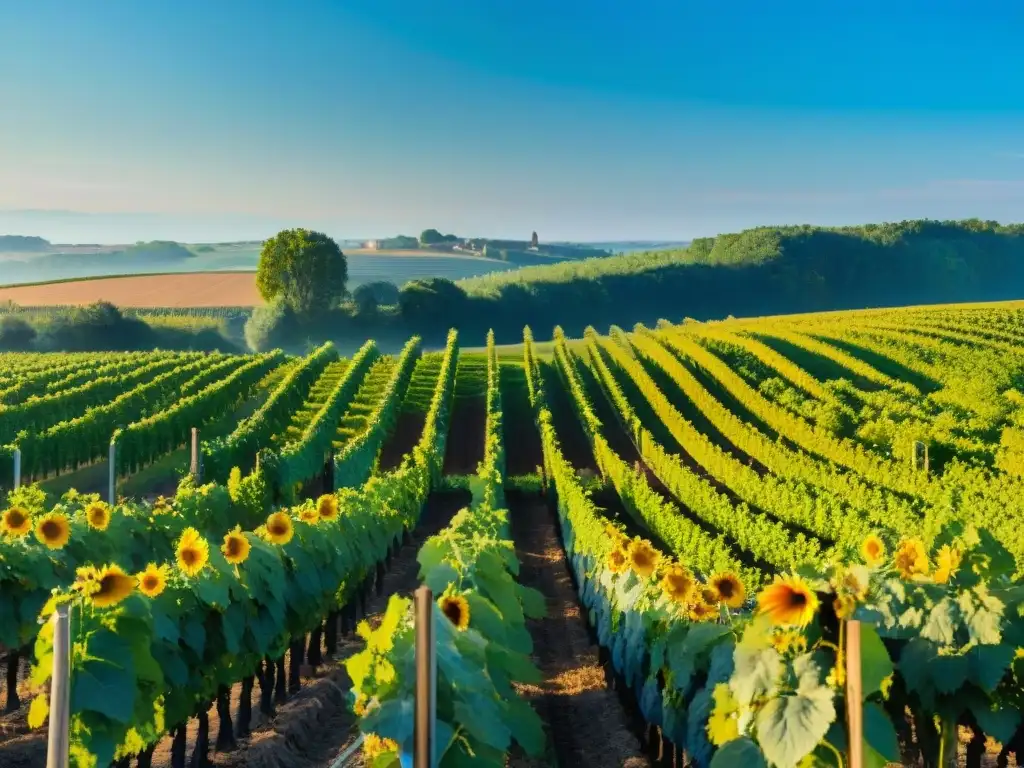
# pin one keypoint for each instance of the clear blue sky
(603, 119)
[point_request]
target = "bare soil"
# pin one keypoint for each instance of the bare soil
(585, 722)
(193, 289)
(404, 437)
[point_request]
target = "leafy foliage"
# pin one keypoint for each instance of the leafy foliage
(305, 269)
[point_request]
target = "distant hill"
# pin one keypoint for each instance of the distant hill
(23, 244)
(762, 271)
(142, 257)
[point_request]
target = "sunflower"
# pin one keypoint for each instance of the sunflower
(236, 546)
(947, 561)
(856, 581)
(728, 588)
(327, 506)
(678, 584)
(788, 601)
(643, 558)
(53, 530)
(384, 671)
(161, 506)
(617, 560)
(374, 745)
(87, 580)
(279, 528)
(153, 580)
(309, 515)
(359, 706)
(723, 725)
(708, 595)
(789, 640)
(873, 550)
(114, 586)
(15, 522)
(844, 606)
(456, 608)
(97, 515)
(911, 559)
(702, 611)
(193, 552)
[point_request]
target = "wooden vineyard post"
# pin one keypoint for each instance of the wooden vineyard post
(854, 695)
(196, 467)
(112, 492)
(58, 744)
(920, 456)
(426, 681)
(17, 468)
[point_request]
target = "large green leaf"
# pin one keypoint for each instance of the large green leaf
(481, 716)
(874, 659)
(534, 602)
(104, 681)
(789, 727)
(758, 671)
(988, 664)
(941, 621)
(881, 745)
(526, 727)
(739, 752)
(485, 618)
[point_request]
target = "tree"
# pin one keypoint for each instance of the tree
(16, 334)
(434, 302)
(431, 237)
(369, 296)
(305, 270)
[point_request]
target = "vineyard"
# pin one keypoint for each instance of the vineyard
(648, 546)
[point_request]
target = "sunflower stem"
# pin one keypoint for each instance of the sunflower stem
(178, 746)
(13, 701)
(281, 689)
(267, 688)
(295, 663)
(243, 718)
(331, 634)
(225, 735)
(200, 754)
(314, 655)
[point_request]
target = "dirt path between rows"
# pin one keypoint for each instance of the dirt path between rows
(585, 723)
(315, 725)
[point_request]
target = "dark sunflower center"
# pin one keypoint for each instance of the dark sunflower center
(51, 530)
(725, 588)
(453, 611)
(234, 547)
(150, 582)
(15, 518)
(189, 556)
(797, 599)
(277, 529)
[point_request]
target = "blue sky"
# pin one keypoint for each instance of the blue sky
(588, 120)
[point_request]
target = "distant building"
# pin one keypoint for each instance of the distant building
(372, 245)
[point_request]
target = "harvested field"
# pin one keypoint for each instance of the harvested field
(190, 289)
